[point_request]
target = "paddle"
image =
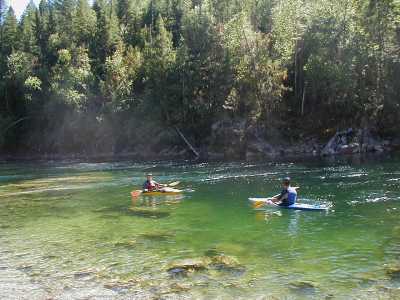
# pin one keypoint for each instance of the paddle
(137, 193)
(258, 204)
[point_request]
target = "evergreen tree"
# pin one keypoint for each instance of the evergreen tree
(10, 33)
(27, 23)
(100, 44)
(123, 11)
(159, 57)
(84, 23)
(65, 11)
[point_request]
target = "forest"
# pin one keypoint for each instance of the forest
(118, 76)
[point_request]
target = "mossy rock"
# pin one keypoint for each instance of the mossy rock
(227, 264)
(125, 244)
(224, 260)
(303, 286)
(190, 265)
(393, 271)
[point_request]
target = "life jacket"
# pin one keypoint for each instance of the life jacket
(150, 185)
(292, 195)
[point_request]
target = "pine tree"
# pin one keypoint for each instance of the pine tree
(99, 45)
(106, 36)
(159, 58)
(65, 11)
(28, 40)
(84, 23)
(10, 33)
(123, 11)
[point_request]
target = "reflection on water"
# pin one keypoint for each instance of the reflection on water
(72, 230)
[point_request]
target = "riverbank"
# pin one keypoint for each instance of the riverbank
(228, 141)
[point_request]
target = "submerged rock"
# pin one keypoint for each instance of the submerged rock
(213, 262)
(177, 272)
(181, 267)
(148, 213)
(125, 244)
(25, 268)
(83, 274)
(227, 264)
(224, 261)
(303, 286)
(157, 236)
(393, 271)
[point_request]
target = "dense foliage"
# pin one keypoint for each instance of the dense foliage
(93, 77)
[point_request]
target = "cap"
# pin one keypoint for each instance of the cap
(286, 180)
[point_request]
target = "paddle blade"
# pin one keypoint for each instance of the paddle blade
(175, 183)
(136, 193)
(259, 204)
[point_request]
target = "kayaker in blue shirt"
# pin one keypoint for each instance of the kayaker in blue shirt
(288, 196)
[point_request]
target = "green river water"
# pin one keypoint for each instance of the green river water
(71, 230)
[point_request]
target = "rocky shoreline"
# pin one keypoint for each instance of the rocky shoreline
(233, 141)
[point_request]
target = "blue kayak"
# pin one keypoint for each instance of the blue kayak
(296, 206)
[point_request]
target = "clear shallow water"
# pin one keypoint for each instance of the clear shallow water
(73, 230)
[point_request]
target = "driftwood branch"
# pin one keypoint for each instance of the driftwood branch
(12, 124)
(187, 142)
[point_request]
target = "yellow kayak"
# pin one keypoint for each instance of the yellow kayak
(163, 191)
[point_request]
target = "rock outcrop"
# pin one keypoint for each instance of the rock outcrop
(354, 141)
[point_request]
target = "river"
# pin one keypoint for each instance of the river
(71, 230)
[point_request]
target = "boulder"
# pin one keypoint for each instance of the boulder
(349, 148)
(393, 271)
(303, 287)
(227, 264)
(224, 261)
(350, 142)
(220, 262)
(176, 272)
(188, 265)
(125, 244)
